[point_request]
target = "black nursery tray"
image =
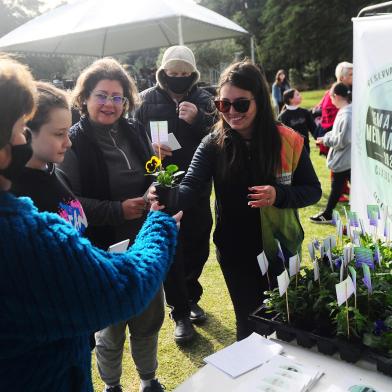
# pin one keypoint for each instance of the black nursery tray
(266, 323)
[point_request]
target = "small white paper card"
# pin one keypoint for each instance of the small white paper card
(311, 250)
(173, 142)
(294, 265)
(283, 282)
(263, 262)
(344, 290)
(341, 272)
(120, 247)
(316, 270)
(159, 132)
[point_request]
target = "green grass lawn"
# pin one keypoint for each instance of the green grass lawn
(177, 364)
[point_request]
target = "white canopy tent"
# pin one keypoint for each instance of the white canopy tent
(105, 28)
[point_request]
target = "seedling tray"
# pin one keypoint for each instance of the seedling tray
(266, 323)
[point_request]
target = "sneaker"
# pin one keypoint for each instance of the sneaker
(321, 218)
(155, 386)
(117, 388)
(197, 314)
(184, 331)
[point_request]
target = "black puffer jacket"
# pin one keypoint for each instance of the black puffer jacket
(159, 106)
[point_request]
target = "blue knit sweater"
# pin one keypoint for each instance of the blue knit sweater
(56, 289)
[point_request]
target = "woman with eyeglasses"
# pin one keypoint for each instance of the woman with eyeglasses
(106, 169)
(56, 288)
(261, 175)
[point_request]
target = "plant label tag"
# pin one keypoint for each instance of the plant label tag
(316, 270)
(341, 271)
(339, 230)
(159, 132)
(367, 280)
(283, 282)
(280, 252)
(263, 262)
(354, 278)
(344, 290)
(322, 250)
(173, 142)
(294, 265)
(348, 255)
(329, 255)
(311, 250)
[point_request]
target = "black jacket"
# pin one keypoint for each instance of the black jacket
(159, 106)
(238, 225)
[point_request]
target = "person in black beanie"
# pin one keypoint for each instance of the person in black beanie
(189, 113)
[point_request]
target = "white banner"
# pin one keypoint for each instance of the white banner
(371, 168)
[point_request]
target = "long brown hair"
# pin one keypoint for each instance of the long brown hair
(266, 141)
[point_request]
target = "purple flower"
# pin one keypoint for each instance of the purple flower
(379, 327)
(338, 262)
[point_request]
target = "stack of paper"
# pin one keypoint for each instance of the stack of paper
(244, 355)
(281, 374)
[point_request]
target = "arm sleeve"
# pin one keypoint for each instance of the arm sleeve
(98, 212)
(305, 188)
(276, 93)
(198, 176)
(340, 136)
(64, 287)
(311, 124)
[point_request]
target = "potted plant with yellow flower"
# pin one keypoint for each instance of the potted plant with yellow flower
(166, 183)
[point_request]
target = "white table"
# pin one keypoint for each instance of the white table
(209, 378)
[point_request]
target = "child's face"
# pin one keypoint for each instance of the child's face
(52, 141)
(297, 99)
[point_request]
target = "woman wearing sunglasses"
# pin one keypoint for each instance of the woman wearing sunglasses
(106, 169)
(261, 174)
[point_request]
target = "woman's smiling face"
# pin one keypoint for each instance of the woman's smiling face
(240, 122)
(107, 113)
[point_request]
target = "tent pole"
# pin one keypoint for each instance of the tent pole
(252, 48)
(179, 27)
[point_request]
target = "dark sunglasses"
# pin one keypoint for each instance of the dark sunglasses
(240, 105)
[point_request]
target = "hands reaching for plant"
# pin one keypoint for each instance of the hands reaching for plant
(155, 206)
(166, 151)
(152, 195)
(134, 208)
(262, 196)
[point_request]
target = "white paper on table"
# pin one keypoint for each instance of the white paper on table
(281, 374)
(263, 262)
(294, 265)
(316, 270)
(120, 247)
(245, 355)
(344, 290)
(159, 132)
(283, 282)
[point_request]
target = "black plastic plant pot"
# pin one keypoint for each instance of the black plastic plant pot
(325, 346)
(384, 365)
(349, 352)
(262, 328)
(282, 333)
(168, 196)
(305, 339)
(262, 322)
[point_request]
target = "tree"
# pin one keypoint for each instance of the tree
(295, 33)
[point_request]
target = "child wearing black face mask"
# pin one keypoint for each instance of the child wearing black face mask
(40, 179)
(189, 113)
(55, 287)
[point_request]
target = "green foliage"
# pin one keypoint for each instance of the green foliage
(168, 176)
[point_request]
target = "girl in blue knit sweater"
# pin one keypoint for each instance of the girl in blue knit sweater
(55, 287)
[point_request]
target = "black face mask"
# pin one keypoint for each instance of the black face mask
(180, 84)
(21, 154)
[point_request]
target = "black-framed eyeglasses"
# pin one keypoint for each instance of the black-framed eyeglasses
(240, 105)
(116, 99)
